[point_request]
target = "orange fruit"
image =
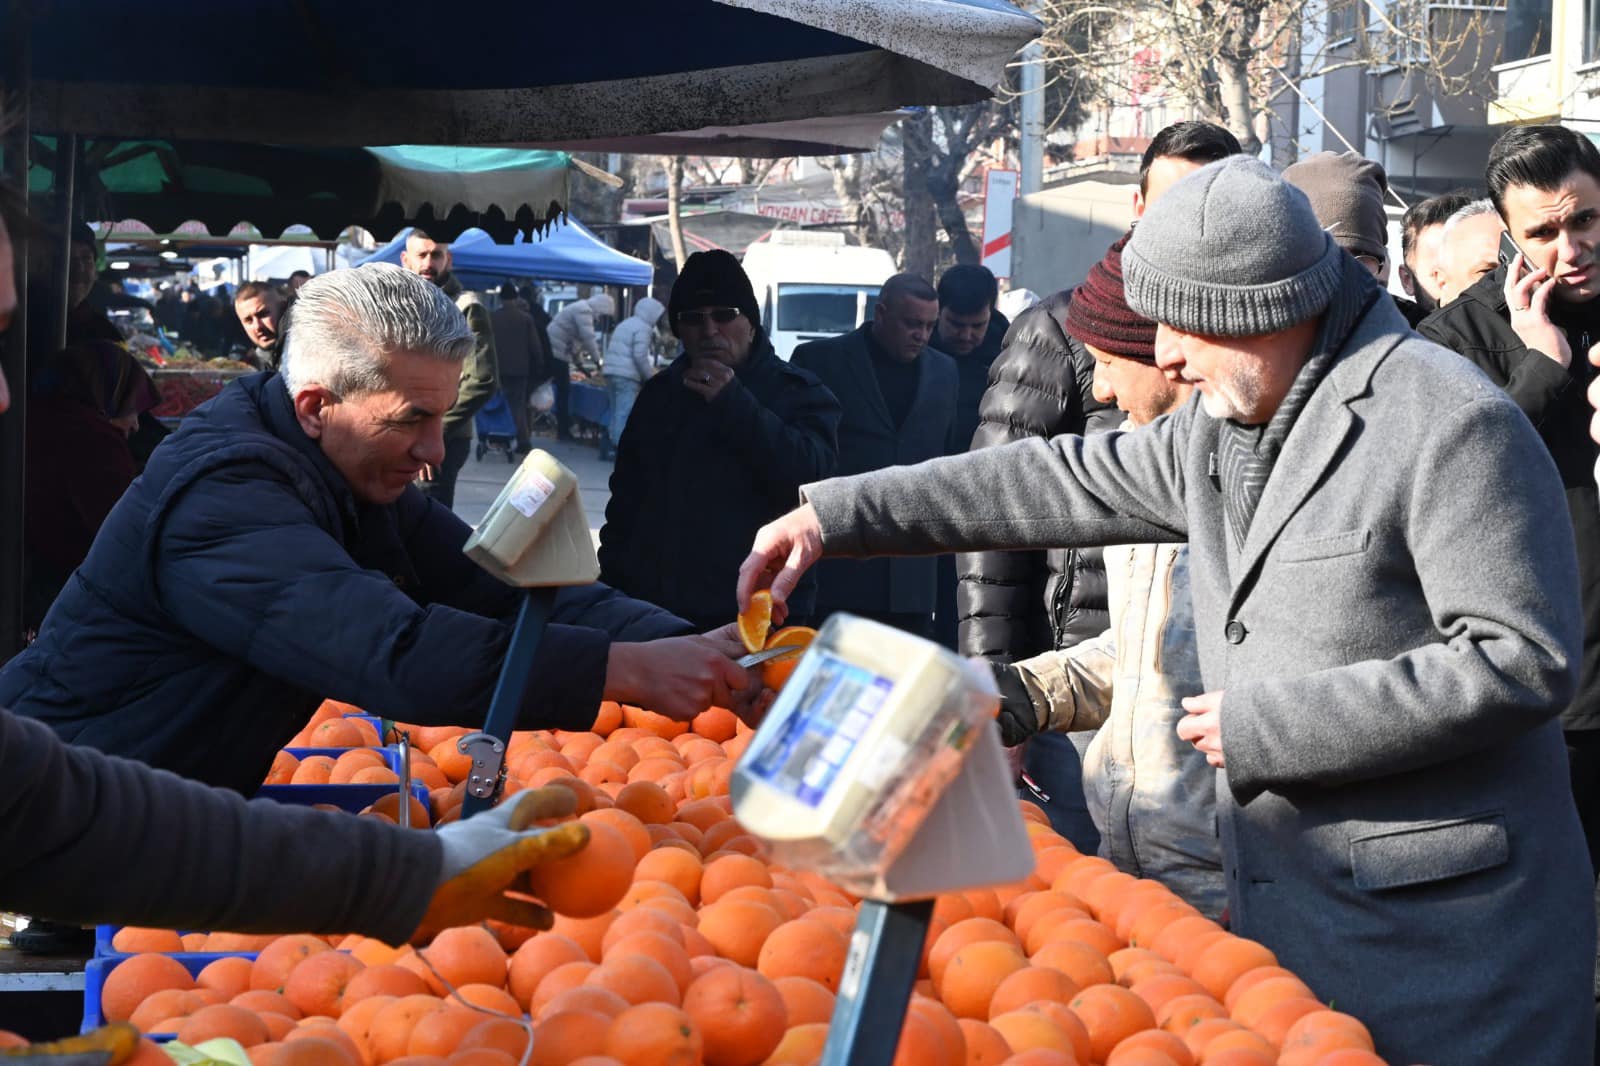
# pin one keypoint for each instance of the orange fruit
(220, 1019)
(1226, 959)
(637, 979)
(646, 801)
(537, 957)
(959, 935)
(774, 674)
(264, 1002)
(588, 882)
(715, 724)
(587, 933)
(663, 949)
(1238, 1039)
(973, 973)
(642, 920)
(1179, 1014)
(442, 1031)
(486, 997)
(317, 984)
(804, 948)
(497, 1034)
(135, 940)
(732, 871)
(983, 1042)
(337, 733)
(1350, 1057)
(1078, 961)
(1179, 935)
(465, 955)
(738, 928)
(801, 1045)
(1253, 1002)
(389, 1031)
(805, 999)
(1152, 1046)
(317, 1050)
(136, 977)
(755, 621)
(162, 1005)
(1161, 989)
(586, 997)
(385, 980)
(1024, 1030)
(1111, 1013)
(1276, 1021)
(1028, 985)
(740, 1014)
(275, 962)
(1251, 978)
(560, 1038)
(654, 1034)
(228, 977)
(679, 867)
(482, 1056)
(608, 719)
(637, 835)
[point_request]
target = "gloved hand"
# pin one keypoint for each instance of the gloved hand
(1017, 718)
(106, 1046)
(489, 854)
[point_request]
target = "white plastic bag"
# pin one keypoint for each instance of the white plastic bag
(543, 398)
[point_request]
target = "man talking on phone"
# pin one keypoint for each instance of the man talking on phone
(1530, 325)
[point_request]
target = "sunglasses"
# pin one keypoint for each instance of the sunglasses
(720, 315)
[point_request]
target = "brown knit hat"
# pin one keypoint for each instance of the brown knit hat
(1099, 314)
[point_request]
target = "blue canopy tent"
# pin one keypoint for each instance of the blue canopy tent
(566, 252)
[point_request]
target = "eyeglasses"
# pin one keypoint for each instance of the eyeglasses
(1373, 263)
(720, 315)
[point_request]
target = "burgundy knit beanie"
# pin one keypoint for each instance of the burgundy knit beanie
(1099, 314)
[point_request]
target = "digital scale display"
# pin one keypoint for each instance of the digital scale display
(836, 704)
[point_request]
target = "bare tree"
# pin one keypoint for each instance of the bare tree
(1231, 60)
(916, 156)
(675, 208)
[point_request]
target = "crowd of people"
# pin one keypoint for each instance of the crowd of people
(1290, 585)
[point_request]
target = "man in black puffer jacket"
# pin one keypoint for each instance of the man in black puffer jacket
(1017, 604)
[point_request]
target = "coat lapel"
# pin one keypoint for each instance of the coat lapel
(867, 379)
(1313, 446)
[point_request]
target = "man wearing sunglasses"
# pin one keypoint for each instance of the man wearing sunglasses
(717, 445)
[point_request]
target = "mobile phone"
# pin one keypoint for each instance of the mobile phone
(1508, 247)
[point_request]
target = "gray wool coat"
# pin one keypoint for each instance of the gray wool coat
(1395, 641)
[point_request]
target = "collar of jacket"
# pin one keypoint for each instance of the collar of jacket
(278, 417)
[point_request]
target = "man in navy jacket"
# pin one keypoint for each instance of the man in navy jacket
(275, 552)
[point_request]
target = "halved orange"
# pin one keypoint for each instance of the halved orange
(776, 672)
(755, 622)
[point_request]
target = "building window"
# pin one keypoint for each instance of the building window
(1591, 31)
(1528, 28)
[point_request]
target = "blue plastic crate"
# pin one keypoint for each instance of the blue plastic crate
(103, 948)
(352, 798)
(94, 978)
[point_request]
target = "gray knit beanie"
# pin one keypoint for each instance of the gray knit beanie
(1232, 250)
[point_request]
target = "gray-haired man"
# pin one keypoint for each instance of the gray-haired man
(275, 552)
(1388, 620)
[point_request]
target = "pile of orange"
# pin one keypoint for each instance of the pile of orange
(676, 941)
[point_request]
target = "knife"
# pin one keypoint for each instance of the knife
(787, 651)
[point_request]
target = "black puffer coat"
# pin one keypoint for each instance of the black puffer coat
(1016, 604)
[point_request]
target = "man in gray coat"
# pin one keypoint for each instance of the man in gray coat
(1381, 698)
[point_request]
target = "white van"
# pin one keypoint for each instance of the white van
(812, 286)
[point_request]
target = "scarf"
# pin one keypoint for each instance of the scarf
(1247, 454)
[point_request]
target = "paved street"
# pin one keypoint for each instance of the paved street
(480, 482)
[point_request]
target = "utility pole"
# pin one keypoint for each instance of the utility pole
(1032, 146)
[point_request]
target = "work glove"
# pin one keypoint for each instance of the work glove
(1017, 718)
(106, 1046)
(488, 855)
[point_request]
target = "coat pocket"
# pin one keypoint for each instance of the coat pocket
(1434, 851)
(1327, 546)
